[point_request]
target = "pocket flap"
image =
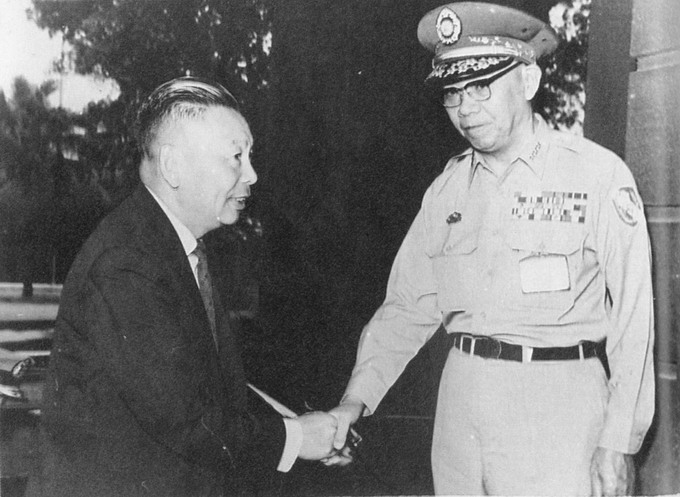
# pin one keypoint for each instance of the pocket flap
(549, 238)
(454, 239)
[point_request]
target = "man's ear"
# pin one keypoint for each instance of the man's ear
(532, 80)
(168, 165)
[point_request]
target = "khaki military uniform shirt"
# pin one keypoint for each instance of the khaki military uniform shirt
(552, 252)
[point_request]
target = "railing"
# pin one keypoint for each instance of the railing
(26, 327)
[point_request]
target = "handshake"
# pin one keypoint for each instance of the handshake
(328, 436)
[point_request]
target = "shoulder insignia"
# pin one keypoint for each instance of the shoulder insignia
(456, 161)
(627, 205)
(567, 140)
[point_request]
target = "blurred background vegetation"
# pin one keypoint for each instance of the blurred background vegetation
(346, 142)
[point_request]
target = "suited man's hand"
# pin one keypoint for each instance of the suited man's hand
(318, 433)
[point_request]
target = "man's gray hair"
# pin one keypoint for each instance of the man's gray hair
(180, 98)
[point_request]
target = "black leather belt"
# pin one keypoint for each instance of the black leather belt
(490, 348)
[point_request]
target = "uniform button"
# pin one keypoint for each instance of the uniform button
(482, 315)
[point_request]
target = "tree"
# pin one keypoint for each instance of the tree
(29, 135)
(563, 98)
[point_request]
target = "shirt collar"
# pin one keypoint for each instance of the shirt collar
(185, 236)
(475, 164)
(533, 154)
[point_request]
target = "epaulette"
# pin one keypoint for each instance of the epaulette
(455, 161)
(450, 170)
(567, 140)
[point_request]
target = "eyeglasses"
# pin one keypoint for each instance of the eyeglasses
(478, 90)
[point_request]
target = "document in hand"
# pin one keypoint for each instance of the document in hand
(353, 439)
(278, 406)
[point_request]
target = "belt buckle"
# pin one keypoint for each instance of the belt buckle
(472, 344)
(494, 353)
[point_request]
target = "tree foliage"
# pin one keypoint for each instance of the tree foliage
(563, 99)
(29, 133)
(29, 141)
(143, 43)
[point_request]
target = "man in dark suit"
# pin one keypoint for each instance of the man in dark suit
(146, 393)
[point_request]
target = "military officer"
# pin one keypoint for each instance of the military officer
(531, 249)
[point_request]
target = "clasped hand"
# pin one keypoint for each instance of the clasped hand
(318, 433)
(347, 413)
(325, 434)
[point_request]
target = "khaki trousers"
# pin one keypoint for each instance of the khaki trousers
(511, 428)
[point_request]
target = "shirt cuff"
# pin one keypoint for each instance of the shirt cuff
(293, 444)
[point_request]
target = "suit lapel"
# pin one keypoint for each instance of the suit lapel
(161, 239)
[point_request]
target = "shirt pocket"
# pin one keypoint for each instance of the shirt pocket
(453, 251)
(545, 263)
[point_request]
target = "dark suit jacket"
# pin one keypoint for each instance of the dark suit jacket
(138, 401)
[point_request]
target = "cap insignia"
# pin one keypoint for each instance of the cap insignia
(448, 27)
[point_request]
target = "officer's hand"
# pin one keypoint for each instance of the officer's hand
(347, 414)
(341, 457)
(611, 473)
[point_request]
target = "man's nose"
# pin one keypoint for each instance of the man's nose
(468, 105)
(248, 174)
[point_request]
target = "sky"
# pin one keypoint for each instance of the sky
(29, 51)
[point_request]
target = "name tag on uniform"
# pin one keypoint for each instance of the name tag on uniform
(544, 273)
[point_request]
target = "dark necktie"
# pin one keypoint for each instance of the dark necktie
(233, 379)
(205, 285)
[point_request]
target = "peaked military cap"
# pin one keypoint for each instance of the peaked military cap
(475, 39)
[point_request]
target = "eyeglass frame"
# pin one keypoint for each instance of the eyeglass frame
(483, 83)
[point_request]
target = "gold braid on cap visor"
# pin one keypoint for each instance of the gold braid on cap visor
(486, 46)
(473, 64)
